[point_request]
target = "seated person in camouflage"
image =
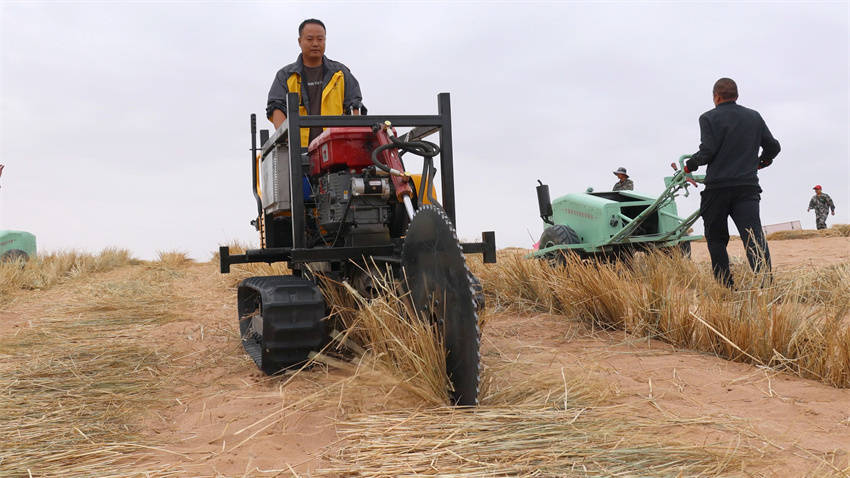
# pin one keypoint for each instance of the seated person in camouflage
(821, 203)
(325, 87)
(624, 183)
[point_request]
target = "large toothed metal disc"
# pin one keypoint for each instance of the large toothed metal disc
(440, 287)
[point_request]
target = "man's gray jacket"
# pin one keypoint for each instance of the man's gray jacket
(290, 78)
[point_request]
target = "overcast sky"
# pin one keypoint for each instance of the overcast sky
(127, 124)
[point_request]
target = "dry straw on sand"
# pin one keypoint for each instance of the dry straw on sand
(532, 421)
(47, 270)
(74, 385)
(523, 441)
(794, 321)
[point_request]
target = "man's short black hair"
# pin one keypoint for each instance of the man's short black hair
(308, 21)
(726, 89)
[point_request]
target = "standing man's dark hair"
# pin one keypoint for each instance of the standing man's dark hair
(324, 86)
(308, 21)
(726, 89)
(730, 137)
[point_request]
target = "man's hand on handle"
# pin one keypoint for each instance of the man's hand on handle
(277, 119)
(691, 165)
(689, 179)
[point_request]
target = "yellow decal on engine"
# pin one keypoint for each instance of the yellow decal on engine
(423, 198)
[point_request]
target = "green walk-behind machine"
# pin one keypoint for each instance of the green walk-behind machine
(342, 205)
(16, 246)
(615, 224)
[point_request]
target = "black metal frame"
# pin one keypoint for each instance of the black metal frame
(290, 133)
(254, 170)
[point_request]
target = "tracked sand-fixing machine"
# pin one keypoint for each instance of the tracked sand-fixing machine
(345, 204)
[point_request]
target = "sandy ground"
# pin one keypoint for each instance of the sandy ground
(227, 419)
(788, 253)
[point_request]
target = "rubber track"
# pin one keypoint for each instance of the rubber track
(292, 311)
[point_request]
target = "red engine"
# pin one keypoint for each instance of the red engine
(350, 149)
(341, 148)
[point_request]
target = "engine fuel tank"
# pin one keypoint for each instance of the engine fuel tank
(341, 148)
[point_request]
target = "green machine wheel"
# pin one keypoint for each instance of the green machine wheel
(557, 235)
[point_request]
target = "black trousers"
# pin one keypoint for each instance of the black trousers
(742, 204)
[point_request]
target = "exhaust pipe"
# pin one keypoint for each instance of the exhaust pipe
(544, 203)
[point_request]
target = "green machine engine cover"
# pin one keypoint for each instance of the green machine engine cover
(16, 245)
(597, 216)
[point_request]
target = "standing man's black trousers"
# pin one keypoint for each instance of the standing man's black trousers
(742, 204)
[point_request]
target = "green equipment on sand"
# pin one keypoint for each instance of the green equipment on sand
(16, 245)
(616, 224)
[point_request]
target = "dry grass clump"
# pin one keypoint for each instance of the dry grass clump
(243, 271)
(173, 259)
(389, 339)
(47, 270)
(239, 272)
(236, 247)
(792, 321)
(74, 386)
(825, 285)
(843, 229)
(836, 230)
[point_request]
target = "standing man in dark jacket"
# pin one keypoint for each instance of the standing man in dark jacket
(326, 87)
(730, 137)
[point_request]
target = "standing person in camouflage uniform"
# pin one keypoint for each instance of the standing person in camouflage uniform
(624, 183)
(821, 203)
